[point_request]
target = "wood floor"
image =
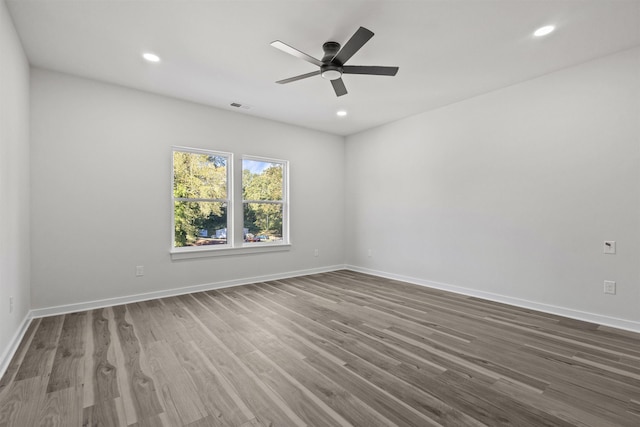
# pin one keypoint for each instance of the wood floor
(333, 349)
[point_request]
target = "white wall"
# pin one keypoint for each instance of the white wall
(14, 186)
(511, 194)
(101, 170)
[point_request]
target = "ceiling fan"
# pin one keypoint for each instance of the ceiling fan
(332, 66)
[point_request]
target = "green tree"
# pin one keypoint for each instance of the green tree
(263, 218)
(199, 185)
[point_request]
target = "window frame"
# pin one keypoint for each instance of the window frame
(235, 211)
(228, 200)
(284, 201)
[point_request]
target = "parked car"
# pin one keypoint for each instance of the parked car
(251, 238)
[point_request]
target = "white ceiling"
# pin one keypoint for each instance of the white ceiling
(217, 52)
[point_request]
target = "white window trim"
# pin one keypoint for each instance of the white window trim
(233, 206)
(228, 201)
(206, 252)
(284, 201)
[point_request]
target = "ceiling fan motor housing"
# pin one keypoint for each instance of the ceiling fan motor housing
(330, 49)
(330, 70)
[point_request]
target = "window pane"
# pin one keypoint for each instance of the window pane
(200, 223)
(199, 176)
(262, 222)
(261, 180)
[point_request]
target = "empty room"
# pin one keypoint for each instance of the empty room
(319, 213)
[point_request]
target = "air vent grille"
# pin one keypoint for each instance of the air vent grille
(238, 105)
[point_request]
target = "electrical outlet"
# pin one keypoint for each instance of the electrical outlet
(609, 287)
(609, 247)
(139, 270)
(10, 304)
(316, 252)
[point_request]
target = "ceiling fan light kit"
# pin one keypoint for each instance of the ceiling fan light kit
(330, 72)
(332, 66)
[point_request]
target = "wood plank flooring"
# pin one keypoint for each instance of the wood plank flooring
(332, 349)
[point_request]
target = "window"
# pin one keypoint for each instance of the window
(264, 196)
(204, 204)
(201, 202)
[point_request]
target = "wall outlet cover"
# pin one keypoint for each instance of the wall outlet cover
(609, 247)
(609, 287)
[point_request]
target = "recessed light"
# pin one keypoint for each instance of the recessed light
(151, 57)
(341, 113)
(543, 31)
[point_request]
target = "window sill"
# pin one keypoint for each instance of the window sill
(216, 252)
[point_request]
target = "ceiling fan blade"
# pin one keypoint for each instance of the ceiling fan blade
(339, 87)
(361, 36)
(366, 69)
(300, 77)
(295, 52)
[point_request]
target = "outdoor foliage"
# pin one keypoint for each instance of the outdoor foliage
(198, 176)
(263, 218)
(200, 195)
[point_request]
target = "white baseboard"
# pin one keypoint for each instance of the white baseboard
(8, 354)
(10, 351)
(628, 325)
(108, 302)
